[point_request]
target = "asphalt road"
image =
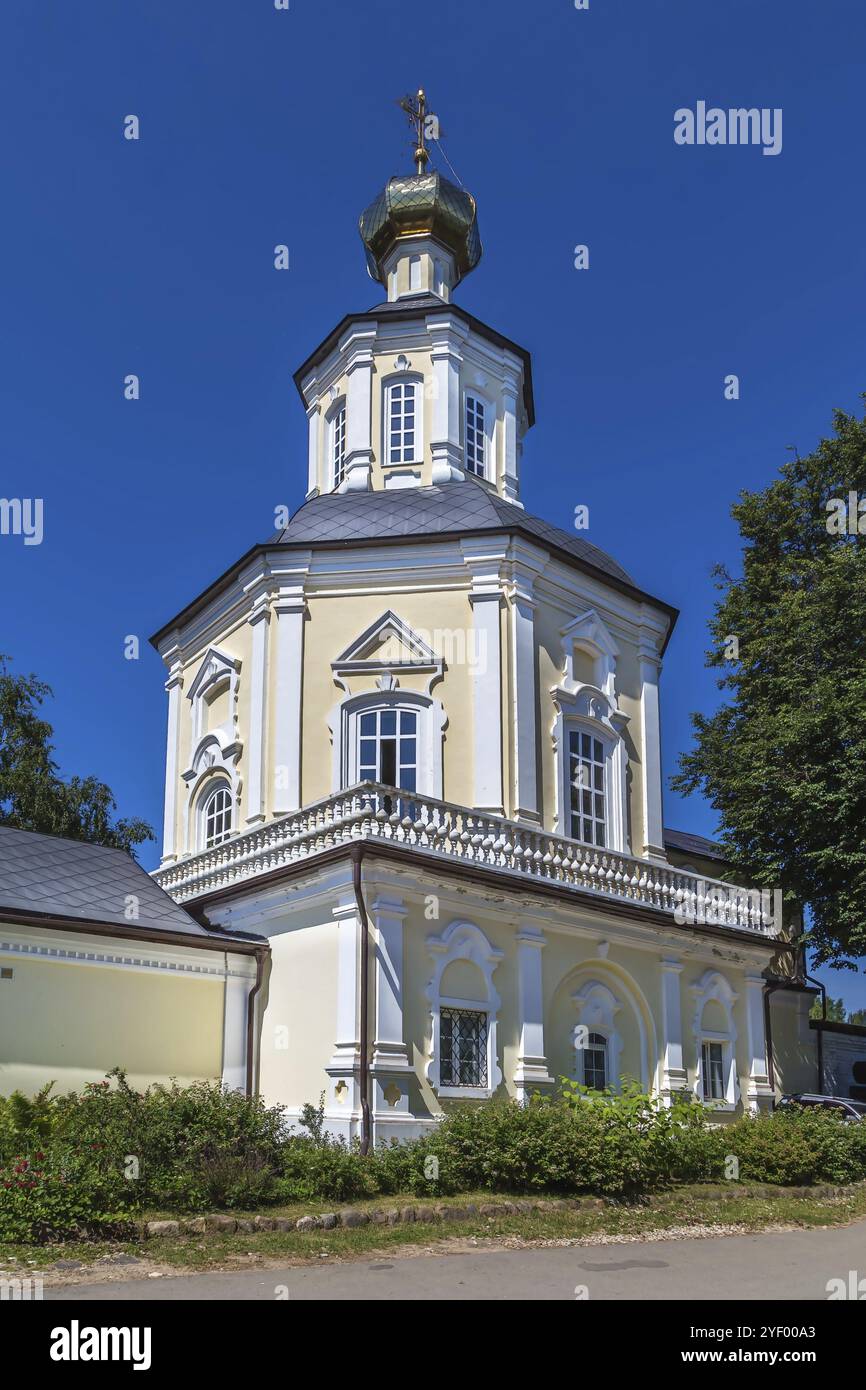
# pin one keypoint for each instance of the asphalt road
(780, 1265)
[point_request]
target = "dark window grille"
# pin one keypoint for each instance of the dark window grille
(463, 1048)
(595, 1062)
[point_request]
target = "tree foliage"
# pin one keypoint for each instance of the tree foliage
(33, 795)
(783, 760)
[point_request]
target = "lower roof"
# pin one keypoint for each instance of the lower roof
(61, 880)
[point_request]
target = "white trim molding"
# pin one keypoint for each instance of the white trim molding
(713, 987)
(464, 941)
(531, 1069)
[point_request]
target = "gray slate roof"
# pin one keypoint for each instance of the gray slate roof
(67, 878)
(694, 844)
(444, 508)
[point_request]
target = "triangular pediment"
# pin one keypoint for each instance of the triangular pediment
(387, 643)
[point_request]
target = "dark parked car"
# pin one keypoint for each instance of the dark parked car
(850, 1110)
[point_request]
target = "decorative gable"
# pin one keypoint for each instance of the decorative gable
(385, 649)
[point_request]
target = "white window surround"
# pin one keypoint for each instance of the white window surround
(337, 442)
(463, 940)
(345, 724)
(589, 711)
(592, 709)
(217, 669)
(597, 1007)
(403, 379)
(713, 987)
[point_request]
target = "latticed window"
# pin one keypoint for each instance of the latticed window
(586, 777)
(713, 1071)
(403, 425)
(388, 747)
(476, 440)
(338, 446)
(217, 817)
(463, 1048)
(595, 1062)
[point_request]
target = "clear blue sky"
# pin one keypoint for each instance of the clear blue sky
(261, 126)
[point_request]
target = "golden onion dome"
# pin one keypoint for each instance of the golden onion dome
(422, 204)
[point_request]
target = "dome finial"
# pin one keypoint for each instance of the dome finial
(416, 110)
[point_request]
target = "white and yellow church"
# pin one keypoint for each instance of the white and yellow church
(414, 850)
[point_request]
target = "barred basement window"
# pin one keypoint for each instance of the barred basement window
(463, 1047)
(595, 1062)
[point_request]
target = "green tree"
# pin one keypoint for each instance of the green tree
(783, 760)
(33, 795)
(835, 1010)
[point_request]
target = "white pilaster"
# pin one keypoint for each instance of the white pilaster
(531, 1067)
(486, 672)
(759, 1092)
(343, 1102)
(257, 744)
(651, 772)
(314, 416)
(238, 984)
(510, 432)
(289, 612)
(524, 682)
(359, 410)
(390, 1066)
(675, 1077)
(446, 446)
(174, 686)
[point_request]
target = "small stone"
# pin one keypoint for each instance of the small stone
(163, 1228)
(265, 1223)
(352, 1217)
(329, 1220)
(118, 1259)
(217, 1222)
(195, 1227)
(307, 1223)
(392, 1217)
(491, 1209)
(155, 1274)
(282, 1223)
(425, 1214)
(377, 1216)
(66, 1264)
(450, 1213)
(245, 1224)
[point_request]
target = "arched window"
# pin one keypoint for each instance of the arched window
(388, 746)
(337, 444)
(464, 1008)
(215, 816)
(403, 410)
(593, 1059)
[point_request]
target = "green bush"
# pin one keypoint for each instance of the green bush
(87, 1164)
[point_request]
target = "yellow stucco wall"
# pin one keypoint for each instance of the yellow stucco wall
(299, 1020)
(71, 1023)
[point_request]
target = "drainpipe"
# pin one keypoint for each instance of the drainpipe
(820, 1031)
(364, 1067)
(252, 1000)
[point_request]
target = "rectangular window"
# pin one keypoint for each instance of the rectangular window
(476, 439)
(713, 1072)
(463, 1048)
(338, 446)
(586, 780)
(388, 747)
(403, 424)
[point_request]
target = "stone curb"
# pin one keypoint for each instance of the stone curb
(350, 1217)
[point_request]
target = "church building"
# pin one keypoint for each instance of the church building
(413, 781)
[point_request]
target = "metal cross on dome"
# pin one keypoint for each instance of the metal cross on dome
(419, 116)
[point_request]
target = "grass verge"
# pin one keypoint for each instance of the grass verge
(682, 1211)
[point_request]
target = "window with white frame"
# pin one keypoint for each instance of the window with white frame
(475, 432)
(712, 1070)
(463, 1047)
(216, 816)
(593, 1059)
(587, 781)
(388, 747)
(403, 421)
(337, 445)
